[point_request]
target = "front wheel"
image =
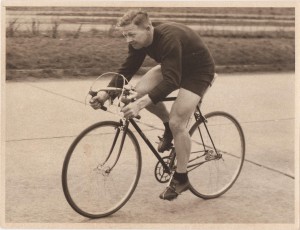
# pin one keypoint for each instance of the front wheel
(99, 173)
(217, 156)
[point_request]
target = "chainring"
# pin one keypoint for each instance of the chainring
(159, 172)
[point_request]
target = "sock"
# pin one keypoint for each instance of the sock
(181, 177)
(167, 129)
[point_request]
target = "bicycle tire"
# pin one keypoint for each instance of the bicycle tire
(114, 184)
(217, 175)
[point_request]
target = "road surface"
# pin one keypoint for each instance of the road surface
(43, 118)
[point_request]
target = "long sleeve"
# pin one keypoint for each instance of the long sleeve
(171, 64)
(133, 62)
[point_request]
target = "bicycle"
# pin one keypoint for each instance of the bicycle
(102, 167)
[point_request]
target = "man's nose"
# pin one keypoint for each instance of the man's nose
(128, 39)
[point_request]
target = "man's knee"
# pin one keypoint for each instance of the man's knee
(177, 125)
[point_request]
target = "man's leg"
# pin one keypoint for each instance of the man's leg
(181, 111)
(148, 82)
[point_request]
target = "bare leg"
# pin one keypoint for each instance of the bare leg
(160, 111)
(149, 81)
(181, 112)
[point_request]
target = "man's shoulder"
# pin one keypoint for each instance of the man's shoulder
(171, 28)
(167, 24)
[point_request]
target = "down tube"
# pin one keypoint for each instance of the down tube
(166, 168)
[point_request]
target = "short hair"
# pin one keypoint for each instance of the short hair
(137, 17)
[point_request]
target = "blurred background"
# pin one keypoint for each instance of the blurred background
(75, 42)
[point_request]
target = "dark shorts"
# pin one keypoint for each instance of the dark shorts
(197, 84)
(198, 72)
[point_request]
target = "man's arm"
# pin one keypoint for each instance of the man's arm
(131, 65)
(133, 62)
(171, 66)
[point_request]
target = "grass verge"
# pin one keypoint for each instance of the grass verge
(45, 57)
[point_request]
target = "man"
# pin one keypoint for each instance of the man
(185, 64)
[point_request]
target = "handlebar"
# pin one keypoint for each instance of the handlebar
(94, 94)
(104, 108)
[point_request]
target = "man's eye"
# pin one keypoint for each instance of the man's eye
(129, 35)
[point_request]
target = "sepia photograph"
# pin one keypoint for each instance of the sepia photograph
(155, 115)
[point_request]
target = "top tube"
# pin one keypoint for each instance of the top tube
(169, 99)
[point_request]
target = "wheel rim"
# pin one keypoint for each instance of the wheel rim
(94, 186)
(218, 174)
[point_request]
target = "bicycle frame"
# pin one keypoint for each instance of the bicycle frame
(198, 116)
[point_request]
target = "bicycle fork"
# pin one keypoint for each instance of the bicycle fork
(122, 127)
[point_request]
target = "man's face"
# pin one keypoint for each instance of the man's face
(136, 36)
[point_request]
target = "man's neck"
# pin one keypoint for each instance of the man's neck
(151, 37)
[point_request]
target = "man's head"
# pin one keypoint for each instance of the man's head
(136, 27)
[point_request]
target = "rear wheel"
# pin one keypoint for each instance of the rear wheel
(99, 174)
(216, 162)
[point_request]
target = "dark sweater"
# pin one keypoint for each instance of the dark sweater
(175, 46)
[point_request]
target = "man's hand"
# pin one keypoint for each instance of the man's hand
(130, 98)
(132, 109)
(98, 101)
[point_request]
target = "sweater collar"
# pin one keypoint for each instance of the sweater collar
(155, 40)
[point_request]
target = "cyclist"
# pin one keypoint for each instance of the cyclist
(185, 63)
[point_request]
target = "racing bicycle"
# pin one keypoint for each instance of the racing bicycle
(102, 166)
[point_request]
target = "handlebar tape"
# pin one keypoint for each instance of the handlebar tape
(103, 108)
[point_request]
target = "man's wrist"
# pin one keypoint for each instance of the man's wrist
(143, 101)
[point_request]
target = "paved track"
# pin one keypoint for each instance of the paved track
(42, 119)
